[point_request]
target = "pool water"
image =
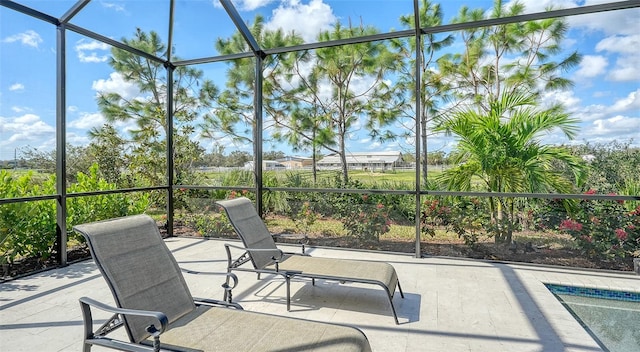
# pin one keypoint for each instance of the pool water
(611, 317)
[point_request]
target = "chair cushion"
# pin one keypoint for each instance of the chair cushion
(223, 329)
(251, 229)
(139, 269)
(341, 269)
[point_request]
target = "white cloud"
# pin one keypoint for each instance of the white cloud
(19, 109)
(307, 20)
(375, 145)
(591, 66)
(614, 128)
(325, 92)
(620, 44)
(601, 94)
(87, 121)
(532, 6)
(591, 112)
(78, 139)
(27, 129)
(600, 123)
(630, 103)
(16, 87)
(250, 5)
(27, 119)
(92, 45)
(566, 98)
(28, 38)
(116, 84)
(621, 27)
(594, 112)
(92, 57)
(611, 22)
(626, 48)
(118, 7)
(627, 69)
(89, 51)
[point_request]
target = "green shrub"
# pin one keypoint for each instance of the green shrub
(86, 209)
(467, 217)
(208, 224)
(303, 216)
(363, 219)
(28, 229)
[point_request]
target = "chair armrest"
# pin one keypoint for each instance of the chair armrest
(226, 285)
(277, 250)
(86, 303)
(246, 256)
(228, 296)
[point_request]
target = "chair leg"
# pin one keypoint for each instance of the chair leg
(313, 281)
(393, 309)
(226, 292)
(288, 280)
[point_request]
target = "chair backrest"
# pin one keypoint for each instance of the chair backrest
(139, 269)
(249, 226)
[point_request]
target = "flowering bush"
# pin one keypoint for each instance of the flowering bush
(365, 221)
(604, 229)
(304, 217)
(236, 194)
(631, 235)
(464, 216)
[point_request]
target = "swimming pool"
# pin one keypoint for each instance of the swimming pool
(611, 317)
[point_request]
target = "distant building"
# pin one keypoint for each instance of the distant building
(296, 162)
(370, 161)
(266, 165)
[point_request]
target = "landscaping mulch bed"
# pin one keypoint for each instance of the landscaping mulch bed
(490, 251)
(30, 266)
(486, 251)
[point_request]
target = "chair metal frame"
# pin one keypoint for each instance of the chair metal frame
(238, 263)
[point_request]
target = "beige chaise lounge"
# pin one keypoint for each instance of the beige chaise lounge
(159, 314)
(261, 250)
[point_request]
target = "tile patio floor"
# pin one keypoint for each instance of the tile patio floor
(449, 305)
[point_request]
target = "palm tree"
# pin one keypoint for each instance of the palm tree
(501, 147)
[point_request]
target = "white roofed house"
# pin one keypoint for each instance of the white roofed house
(296, 162)
(370, 161)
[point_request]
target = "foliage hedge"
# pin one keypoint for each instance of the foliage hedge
(28, 229)
(601, 229)
(605, 230)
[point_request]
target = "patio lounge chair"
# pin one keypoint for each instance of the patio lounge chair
(261, 250)
(154, 301)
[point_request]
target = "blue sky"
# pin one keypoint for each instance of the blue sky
(606, 96)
